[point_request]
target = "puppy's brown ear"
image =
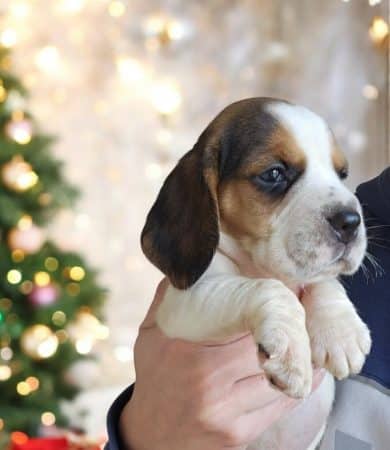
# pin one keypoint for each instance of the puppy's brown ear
(181, 231)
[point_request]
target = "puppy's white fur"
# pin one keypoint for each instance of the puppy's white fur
(255, 285)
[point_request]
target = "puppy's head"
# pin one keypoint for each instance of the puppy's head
(268, 173)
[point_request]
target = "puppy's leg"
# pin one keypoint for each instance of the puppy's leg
(339, 339)
(218, 306)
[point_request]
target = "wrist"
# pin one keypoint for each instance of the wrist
(127, 426)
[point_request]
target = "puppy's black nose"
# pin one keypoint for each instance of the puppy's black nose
(345, 225)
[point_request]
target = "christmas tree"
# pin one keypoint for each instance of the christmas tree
(49, 299)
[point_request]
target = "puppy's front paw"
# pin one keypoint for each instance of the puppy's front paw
(339, 342)
(283, 336)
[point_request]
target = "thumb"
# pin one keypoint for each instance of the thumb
(149, 321)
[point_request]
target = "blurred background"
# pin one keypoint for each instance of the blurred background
(128, 86)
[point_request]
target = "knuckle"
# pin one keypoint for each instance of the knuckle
(233, 436)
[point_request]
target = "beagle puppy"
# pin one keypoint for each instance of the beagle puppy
(252, 227)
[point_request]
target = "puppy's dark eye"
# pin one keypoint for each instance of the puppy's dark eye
(274, 180)
(276, 174)
(343, 173)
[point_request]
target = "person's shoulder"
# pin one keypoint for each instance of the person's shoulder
(374, 196)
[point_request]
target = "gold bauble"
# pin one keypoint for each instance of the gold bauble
(39, 342)
(19, 131)
(18, 175)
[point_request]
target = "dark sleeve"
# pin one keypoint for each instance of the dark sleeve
(114, 438)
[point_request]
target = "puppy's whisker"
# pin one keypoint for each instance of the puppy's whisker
(374, 227)
(379, 245)
(366, 272)
(379, 270)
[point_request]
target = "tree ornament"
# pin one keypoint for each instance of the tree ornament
(43, 295)
(39, 342)
(29, 239)
(19, 130)
(15, 101)
(85, 331)
(18, 175)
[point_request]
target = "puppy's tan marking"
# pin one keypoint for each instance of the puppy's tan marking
(338, 159)
(244, 210)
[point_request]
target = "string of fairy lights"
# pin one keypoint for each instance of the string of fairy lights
(160, 30)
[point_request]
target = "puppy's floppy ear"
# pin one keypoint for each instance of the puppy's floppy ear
(181, 232)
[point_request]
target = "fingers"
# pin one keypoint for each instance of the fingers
(238, 359)
(149, 320)
(254, 423)
(253, 393)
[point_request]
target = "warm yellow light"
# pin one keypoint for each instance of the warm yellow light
(39, 342)
(23, 388)
(379, 30)
(58, 318)
(48, 347)
(71, 6)
(17, 255)
(175, 30)
(76, 273)
(3, 93)
(370, 92)
(8, 37)
(18, 175)
(166, 97)
(1, 424)
(51, 263)
(154, 24)
(19, 10)
(25, 222)
(41, 278)
(14, 276)
(85, 331)
(116, 8)
(33, 383)
(130, 69)
(84, 346)
(27, 180)
(102, 332)
(20, 131)
(48, 419)
(5, 373)
(48, 59)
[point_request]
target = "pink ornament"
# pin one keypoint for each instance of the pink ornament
(28, 240)
(43, 295)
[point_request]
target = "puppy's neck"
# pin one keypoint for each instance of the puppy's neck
(231, 248)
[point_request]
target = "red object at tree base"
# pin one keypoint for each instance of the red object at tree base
(41, 444)
(20, 441)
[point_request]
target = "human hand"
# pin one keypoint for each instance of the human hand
(192, 396)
